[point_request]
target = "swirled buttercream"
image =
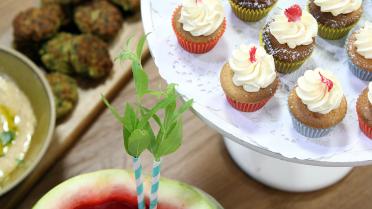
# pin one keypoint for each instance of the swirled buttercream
(338, 7)
(294, 33)
(201, 17)
(319, 90)
(253, 68)
(363, 41)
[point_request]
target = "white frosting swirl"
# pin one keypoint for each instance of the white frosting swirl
(370, 92)
(296, 33)
(201, 17)
(363, 41)
(337, 7)
(315, 94)
(252, 75)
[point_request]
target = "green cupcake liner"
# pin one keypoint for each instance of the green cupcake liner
(286, 67)
(281, 66)
(247, 14)
(333, 33)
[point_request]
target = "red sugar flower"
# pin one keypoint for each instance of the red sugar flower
(252, 54)
(327, 82)
(293, 13)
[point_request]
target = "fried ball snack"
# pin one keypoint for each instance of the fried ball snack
(91, 57)
(37, 24)
(99, 18)
(65, 93)
(56, 53)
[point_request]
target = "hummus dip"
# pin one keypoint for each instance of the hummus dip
(17, 125)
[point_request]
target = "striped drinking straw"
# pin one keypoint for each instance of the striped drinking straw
(155, 184)
(139, 182)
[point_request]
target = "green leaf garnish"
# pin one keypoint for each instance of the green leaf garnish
(141, 80)
(6, 137)
(140, 45)
(112, 109)
(138, 141)
(185, 106)
(160, 105)
(130, 118)
(138, 133)
(19, 161)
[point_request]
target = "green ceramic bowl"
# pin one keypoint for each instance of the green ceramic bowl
(32, 82)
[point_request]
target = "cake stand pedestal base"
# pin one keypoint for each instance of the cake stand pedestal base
(281, 174)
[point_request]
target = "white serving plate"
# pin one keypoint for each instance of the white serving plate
(268, 130)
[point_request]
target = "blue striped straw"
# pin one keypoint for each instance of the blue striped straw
(155, 184)
(139, 182)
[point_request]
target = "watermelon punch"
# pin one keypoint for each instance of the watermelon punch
(143, 130)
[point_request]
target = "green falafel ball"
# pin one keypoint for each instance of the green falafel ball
(56, 53)
(65, 93)
(84, 55)
(66, 8)
(37, 24)
(99, 18)
(91, 57)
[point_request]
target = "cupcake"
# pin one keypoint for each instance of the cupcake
(290, 38)
(199, 24)
(317, 103)
(335, 18)
(251, 10)
(359, 50)
(249, 79)
(364, 111)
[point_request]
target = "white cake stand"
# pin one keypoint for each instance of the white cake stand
(273, 165)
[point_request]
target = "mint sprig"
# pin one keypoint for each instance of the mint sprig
(138, 133)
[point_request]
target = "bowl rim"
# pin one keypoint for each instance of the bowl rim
(41, 77)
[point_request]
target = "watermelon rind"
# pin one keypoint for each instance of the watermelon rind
(104, 182)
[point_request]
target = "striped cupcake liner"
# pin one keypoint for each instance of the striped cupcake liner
(280, 66)
(247, 107)
(309, 131)
(364, 127)
(247, 14)
(359, 72)
(333, 33)
(196, 47)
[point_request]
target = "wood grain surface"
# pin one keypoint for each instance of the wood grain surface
(202, 161)
(89, 103)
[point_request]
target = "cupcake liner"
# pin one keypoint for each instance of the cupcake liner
(309, 131)
(333, 33)
(247, 107)
(197, 47)
(286, 67)
(366, 129)
(363, 125)
(247, 14)
(359, 72)
(281, 66)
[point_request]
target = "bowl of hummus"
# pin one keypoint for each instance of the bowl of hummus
(27, 117)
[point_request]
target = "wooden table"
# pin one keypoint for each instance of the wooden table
(202, 160)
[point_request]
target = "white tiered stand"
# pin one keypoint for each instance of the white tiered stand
(288, 173)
